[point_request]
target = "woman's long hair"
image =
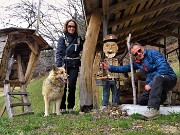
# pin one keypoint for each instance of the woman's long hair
(66, 24)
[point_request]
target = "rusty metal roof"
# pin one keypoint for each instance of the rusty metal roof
(148, 21)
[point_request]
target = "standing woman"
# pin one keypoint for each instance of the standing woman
(68, 52)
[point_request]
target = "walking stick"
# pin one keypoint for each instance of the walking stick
(132, 70)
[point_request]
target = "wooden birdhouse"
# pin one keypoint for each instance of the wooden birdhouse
(19, 53)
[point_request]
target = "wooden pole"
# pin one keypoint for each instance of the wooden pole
(132, 70)
(95, 88)
(38, 19)
(88, 54)
(7, 88)
(179, 48)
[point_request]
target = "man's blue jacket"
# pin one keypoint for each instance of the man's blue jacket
(154, 63)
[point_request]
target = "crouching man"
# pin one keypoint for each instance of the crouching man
(160, 77)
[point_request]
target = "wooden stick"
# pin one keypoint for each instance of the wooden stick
(132, 70)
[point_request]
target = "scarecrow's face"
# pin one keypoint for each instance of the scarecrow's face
(110, 49)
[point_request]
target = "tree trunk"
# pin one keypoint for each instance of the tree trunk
(86, 92)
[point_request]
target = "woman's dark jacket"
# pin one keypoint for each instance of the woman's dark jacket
(68, 50)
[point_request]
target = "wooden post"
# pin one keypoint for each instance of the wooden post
(85, 86)
(179, 48)
(7, 88)
(32, 62)
(95, 88)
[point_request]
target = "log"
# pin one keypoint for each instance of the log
(32, 63)
(86, 93)
(95, 88)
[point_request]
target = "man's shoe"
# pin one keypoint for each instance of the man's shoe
(150, 114)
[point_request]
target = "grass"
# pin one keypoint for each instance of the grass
(82, 124)
(178, 73)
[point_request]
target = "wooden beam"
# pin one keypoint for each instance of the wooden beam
(17, 41)
(26, 41)
(142, 24)
(7, 88)
(33, 48)
(179, 48)
(7, 54)
(167, 33)
(145, 12)
(123, 5)
(32, 63)
(152, 44)
(85, 86)
(105, 16)
(112, 9)
(172, 19)
(146, 36)
(105, 7)
(153, 38)
(143, 31)
(20, 69)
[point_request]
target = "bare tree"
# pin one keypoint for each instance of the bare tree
(52, 17)
(73, 9)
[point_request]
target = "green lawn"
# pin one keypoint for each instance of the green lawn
(82, 124)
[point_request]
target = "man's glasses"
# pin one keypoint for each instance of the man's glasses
(135, 54)
(70, 26)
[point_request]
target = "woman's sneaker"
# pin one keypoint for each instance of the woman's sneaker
(63, 111)
(70, 110)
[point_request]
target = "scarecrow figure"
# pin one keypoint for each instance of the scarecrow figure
(111, 81)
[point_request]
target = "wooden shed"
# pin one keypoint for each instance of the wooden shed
(19, 52)
(148, 21)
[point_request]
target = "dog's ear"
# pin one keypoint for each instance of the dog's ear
(54, 67)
